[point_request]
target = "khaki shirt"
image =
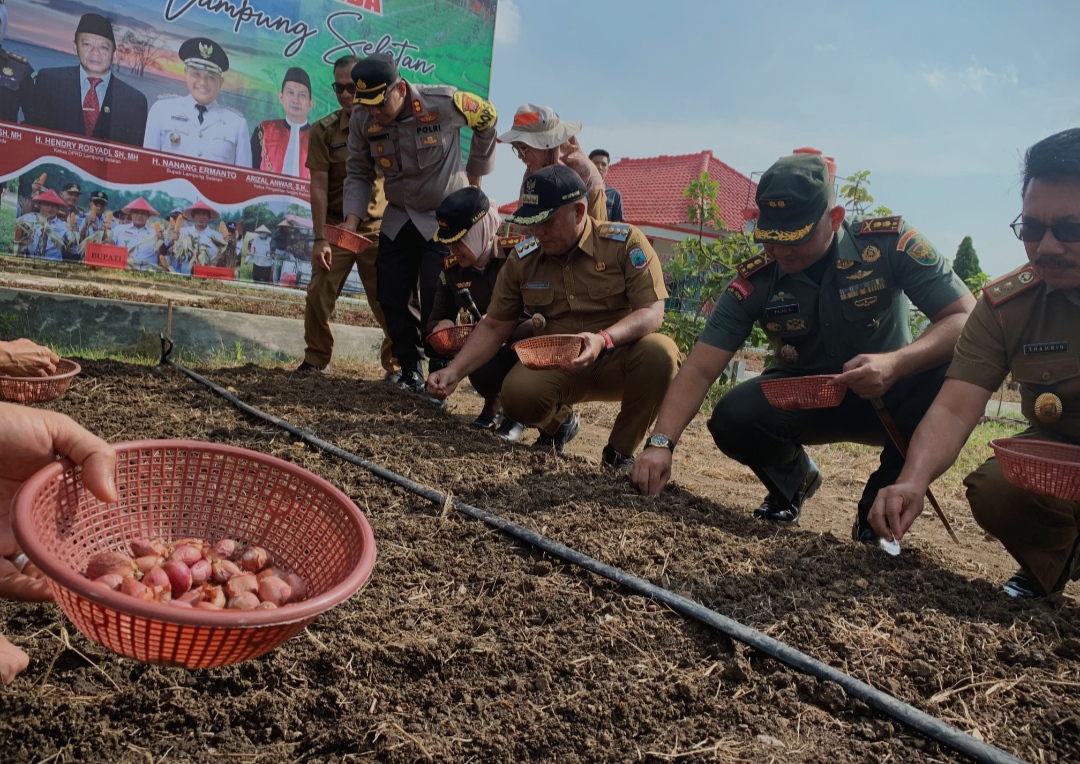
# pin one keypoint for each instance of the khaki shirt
(611, 272)
(420, 155)
(875, 266)
(328, 150)
(1025, 328)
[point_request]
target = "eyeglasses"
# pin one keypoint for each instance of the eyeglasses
(1034, 231)
(519, 150)
(339, 88)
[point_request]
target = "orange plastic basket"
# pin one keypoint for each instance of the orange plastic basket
(1040, 466)
(173, 489)
(798, 393)
(349, 240)
(451, 339)
(39, 389)
(548, 350)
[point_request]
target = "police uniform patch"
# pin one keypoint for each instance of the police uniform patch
(417, 107)
(889, 224)
(479, 114)
(379, 148)
(843, 265)
(526, 248)
(903, 242)
(428, 118)
(614, 231)
(740, 288)
(752, 265)
(1008, 286)
(385, 162)
(922, 253)
(431, 140)
(795, 324)
(373, 128)
(638, 258)
(871, 254)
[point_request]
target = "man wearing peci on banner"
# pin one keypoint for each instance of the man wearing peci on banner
(144, 244)
(88, 99)
(46, 234)
(281, 145)
(198, 125)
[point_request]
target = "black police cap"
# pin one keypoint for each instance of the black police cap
(372, 76)
(545, 191)
(459, 212)
(99, 196)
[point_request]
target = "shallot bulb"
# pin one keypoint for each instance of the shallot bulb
(146, 547)
(222, 570)
(201, 571)
(110, 580)
(298, 587)
(245, 582)
(147, 562)
(224, 549)
(110, 562)
(156, 577)
(187, 554)
(273, 589)
(244, 601)
(136, 589)
(179, 576)
(254, 559)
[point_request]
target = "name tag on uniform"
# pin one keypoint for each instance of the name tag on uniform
(537, 285)
(341, 145)
(782, 310)
(1036, 348)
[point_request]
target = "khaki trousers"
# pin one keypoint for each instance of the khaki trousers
(322, 295)
(1039, 531)
(637, 374)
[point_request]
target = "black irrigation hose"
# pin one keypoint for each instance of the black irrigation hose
(946, 734)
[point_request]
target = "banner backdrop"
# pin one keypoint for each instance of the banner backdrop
(112, 170)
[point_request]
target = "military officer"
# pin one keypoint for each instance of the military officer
(832, 296)
(1026, 323)
(413, 133)
(198, 125)
(144, 244)
(71, 194)
(47, 233)
(15, 72)
(600, 281)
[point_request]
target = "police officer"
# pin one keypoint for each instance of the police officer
(143, 243)
(327, 152)
(15, 72)
(198, 125)
(600, 281)
(1026, 323)
(47, 234)
(830, 295)
(469, 225)
(412, 132)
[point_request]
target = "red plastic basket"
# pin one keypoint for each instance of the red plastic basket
(173, 489)
(349, 240)
(1040, 466)
(548, 350)
(451, 339)
(39, 389)
(798, 393)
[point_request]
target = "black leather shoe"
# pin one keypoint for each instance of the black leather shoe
(413, 381)
(619, 461)
(782, 512)
(864, 534)
(1023, 586)
(484, 422)
(306, 367)
(510, 431)
(566, 433)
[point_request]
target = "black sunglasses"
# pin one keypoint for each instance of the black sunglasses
(339, 88)
(1034, 231)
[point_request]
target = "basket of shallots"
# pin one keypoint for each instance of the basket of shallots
(211, 555)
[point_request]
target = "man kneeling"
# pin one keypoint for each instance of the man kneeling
(600, 281)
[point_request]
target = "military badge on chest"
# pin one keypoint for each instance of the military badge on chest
(781, 304)
(1048, 408)
(789, 355)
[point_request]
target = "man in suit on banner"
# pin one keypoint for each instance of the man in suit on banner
(88, 99)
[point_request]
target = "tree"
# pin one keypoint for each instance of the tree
(856, 192)
(140, 52)
(966, 263)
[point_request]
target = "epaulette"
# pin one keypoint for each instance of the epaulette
(527, 247)
(330, 119)
(1010, 285)
(889, 224)
(16, 57)
(449, 261)
(613, 231)
(507, 242)
(752, 265)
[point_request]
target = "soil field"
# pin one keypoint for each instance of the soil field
(468, 647)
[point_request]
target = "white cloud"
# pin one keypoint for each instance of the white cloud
(507, 23)
(975, 77)
(830, 48)
(935, 78)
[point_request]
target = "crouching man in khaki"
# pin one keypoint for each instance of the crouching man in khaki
(601, 281)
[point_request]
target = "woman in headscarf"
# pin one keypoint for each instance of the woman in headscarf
(469, 225)
(540, 139)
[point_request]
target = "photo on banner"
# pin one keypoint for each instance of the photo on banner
(170, 135)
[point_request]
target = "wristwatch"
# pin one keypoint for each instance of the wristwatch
(609, 346)
(660, 441)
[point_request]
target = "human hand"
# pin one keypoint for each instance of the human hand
(12, 661)
(26, 585)
(592, 346)
(321, 254)
(442, 383)
(652, 470)
(869, 375)
(895, 509)
(23, 358)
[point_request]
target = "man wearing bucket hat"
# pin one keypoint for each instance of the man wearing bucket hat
(1026, 323)
(88, 99)
(144, 244)
(260, 257)
(47, 233)
(830, 295)
(413, 133)
(601, 282)
(469, 224)
(198, 125)
(540, 139)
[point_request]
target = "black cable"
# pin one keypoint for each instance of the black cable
(946, 734)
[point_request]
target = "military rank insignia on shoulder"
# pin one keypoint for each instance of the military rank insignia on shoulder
(479, 114)
(890, 224)
(614, 231)
(449, 261)
(1010, 285)
(752, 265)
(509, 242)
(526, 248)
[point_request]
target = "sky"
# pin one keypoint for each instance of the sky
(938, 100)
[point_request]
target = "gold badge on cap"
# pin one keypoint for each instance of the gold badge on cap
(789, 354)
(601, 266)
(206, 50)
(1048, 408)
(8, 71)
(871, 254)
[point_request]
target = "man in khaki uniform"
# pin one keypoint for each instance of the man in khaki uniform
(328, 149)
(1027, 322)
(600, 281)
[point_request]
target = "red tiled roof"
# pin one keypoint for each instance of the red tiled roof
(509, 207)
(652, 188)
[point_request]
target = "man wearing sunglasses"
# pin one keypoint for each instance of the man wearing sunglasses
(327, 152)
(1027, 323)
(413, 134)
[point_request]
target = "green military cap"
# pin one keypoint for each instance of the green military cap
(791, 198)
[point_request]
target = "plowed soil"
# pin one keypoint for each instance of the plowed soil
(469, 647)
